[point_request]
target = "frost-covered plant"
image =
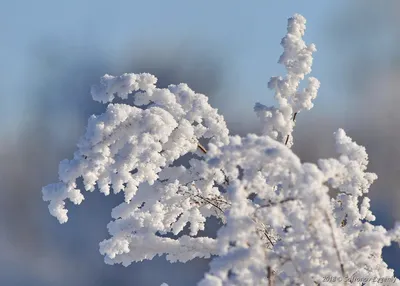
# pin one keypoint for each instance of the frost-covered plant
(280, 224)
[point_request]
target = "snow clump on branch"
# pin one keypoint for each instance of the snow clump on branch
(280, 226)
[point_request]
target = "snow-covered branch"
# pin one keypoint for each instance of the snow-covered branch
(280, 224)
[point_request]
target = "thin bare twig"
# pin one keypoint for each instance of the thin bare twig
(210, 202)
(335, 245)
(270, 204)
(202, 148)
(294, 120)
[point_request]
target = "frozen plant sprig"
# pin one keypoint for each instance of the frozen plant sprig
(278, 122)
(280, 225)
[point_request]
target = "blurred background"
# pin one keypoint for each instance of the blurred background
(51, 52)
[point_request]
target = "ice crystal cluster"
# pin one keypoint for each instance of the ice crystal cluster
(284, 222)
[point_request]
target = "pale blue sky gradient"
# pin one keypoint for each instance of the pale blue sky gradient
(245, 34)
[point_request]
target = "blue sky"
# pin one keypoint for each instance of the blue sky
(247, 36)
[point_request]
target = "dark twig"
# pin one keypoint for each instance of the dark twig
(202, 148)
(294, 120)
(270, 204)
(335, 245)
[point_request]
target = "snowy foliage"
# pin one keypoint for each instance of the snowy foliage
(283, 222)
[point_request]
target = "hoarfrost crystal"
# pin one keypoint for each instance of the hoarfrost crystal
(280, 224)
